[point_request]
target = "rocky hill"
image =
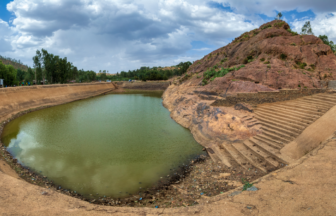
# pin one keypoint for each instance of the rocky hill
(269, 58)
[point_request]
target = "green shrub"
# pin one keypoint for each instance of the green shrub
(283, 56)
(212, 74)
(246, 184)
(267, 62)
(293, 44)
(269, 66)
(223, 60)
(262, 59)
(266, 26)
(279, 24)
(292, 32)
(301, 65)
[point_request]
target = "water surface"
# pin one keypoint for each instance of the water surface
(112, 145)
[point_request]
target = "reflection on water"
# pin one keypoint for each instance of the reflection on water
(112, 145)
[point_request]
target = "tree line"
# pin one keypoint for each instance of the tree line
(148, 73)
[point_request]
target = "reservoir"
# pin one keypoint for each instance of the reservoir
(112, 145)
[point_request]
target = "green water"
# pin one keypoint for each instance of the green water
(111, 145)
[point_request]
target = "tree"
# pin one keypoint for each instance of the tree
(279, 16)
(20, 75)
(29, 76)
(307, 29)
(37, 59)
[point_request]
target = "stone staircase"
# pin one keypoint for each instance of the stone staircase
(280, 123)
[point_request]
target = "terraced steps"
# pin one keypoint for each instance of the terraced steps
(280, 123)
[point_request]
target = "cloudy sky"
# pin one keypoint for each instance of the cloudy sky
(118, 35)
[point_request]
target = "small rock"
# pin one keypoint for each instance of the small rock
(253, 188)
(44, 193)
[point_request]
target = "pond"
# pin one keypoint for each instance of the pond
(112, 145)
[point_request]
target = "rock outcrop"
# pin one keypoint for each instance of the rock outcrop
(269, 58)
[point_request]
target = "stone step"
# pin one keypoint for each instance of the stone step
(276, 137)
(331, 97)
(236, 156)
(222, 156)
(279, 130)
(307, 106)
(278, 133)
(270, 141)
(281, 116)
(290, 113)
(281, 124)
(315, 105)
(275, 153)
(251, 157)
(317, 100)
(302, 109)
(257, 150)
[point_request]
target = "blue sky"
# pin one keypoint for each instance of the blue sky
(127, 34)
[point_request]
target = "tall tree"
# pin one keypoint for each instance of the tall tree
(307, 29)
(279, 16)
(37, 59)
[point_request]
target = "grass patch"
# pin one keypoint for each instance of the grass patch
(268, 62)
(262, 59)
(246, 184)
(269, 66)
(212, 74)
(223, 60)
(301, 65)
(283, 56)
(266, 26)
(293, 44)
(279, 24)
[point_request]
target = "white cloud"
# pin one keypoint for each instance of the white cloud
(323, 24)
(127, 34)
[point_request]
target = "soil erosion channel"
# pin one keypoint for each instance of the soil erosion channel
(113, 145)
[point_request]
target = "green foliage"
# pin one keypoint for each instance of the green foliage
(8, 74)
(307, 29)
(212, 74)
(262, 59)
(279, 24)
(246, 184)
(293, 44)
(154, 73)
(326, 41)
(223, 60)
(266, 26)
(292, 32)
(267, 62)
(283, 56)
(279, 16)
(301, 65)
(268, 66)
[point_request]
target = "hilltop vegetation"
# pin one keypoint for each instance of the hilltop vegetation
(147, 73)
(17, 64)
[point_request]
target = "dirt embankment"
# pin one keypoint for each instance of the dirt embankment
(149, 85)
(17, 99)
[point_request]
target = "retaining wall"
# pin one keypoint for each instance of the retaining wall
(266, 97)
